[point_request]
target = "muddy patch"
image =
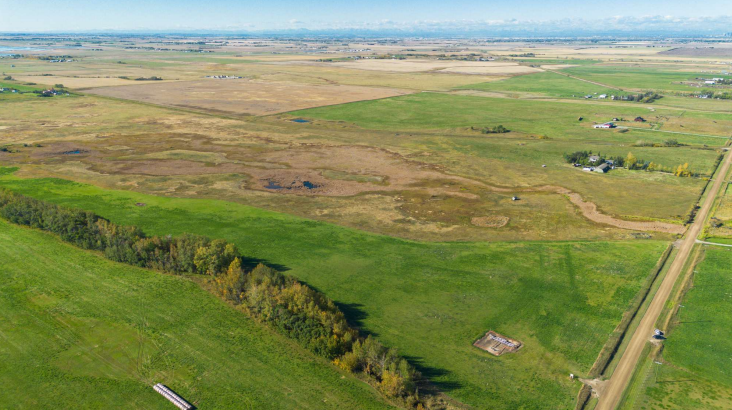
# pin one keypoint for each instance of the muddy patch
(75, 152)
(297, 184)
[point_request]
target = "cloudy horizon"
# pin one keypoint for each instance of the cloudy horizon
(409, 16)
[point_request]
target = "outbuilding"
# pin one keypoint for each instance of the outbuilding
(602, 168)
(605, 125)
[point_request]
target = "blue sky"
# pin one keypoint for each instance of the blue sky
(37, 15)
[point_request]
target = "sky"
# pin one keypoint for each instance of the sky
(253, 15)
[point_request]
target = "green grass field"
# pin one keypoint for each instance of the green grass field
(696, 372)
(436, 111)
(80, 331)
(430, 300)
(640, 78)
(547, 83)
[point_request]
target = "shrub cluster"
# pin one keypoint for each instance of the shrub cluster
(290, 307)
(666, 143)
(498, 129)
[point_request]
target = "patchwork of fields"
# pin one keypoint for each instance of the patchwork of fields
(382, 180)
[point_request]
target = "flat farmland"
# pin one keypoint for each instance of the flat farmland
(546, 83)
(430, 300)
(242, 96)
(558, 119)
(641, 78)
(463, 67)
(390, 194)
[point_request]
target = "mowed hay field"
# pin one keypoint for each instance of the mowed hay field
(243, 96)
(80, 331)
(696, 365)
(429, 300)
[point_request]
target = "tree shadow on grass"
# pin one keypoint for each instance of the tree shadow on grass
(431, 373)
(248, 263)
(355, 316)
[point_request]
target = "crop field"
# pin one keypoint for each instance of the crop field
(245, 97)
(431, 300)
(694, 372)
(84, 332)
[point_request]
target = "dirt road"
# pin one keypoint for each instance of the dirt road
(620, 378)
(582, 79)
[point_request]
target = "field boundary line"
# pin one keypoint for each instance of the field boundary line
(582, 79)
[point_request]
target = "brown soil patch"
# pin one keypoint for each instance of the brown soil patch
(491, 70)
(497, 344)
(598, 386)
(445, 66)
(489, 221)
(701, 51)
(245, 96)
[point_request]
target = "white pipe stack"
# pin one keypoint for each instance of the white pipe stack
(172, 397)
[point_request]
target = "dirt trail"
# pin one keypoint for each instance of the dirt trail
(582, 79)
(589, 211)
(620, 378)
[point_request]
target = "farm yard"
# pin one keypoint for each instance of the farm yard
(432, 189)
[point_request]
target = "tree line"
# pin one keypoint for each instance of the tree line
(287, 305)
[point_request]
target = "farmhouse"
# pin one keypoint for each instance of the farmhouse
(594, 158)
